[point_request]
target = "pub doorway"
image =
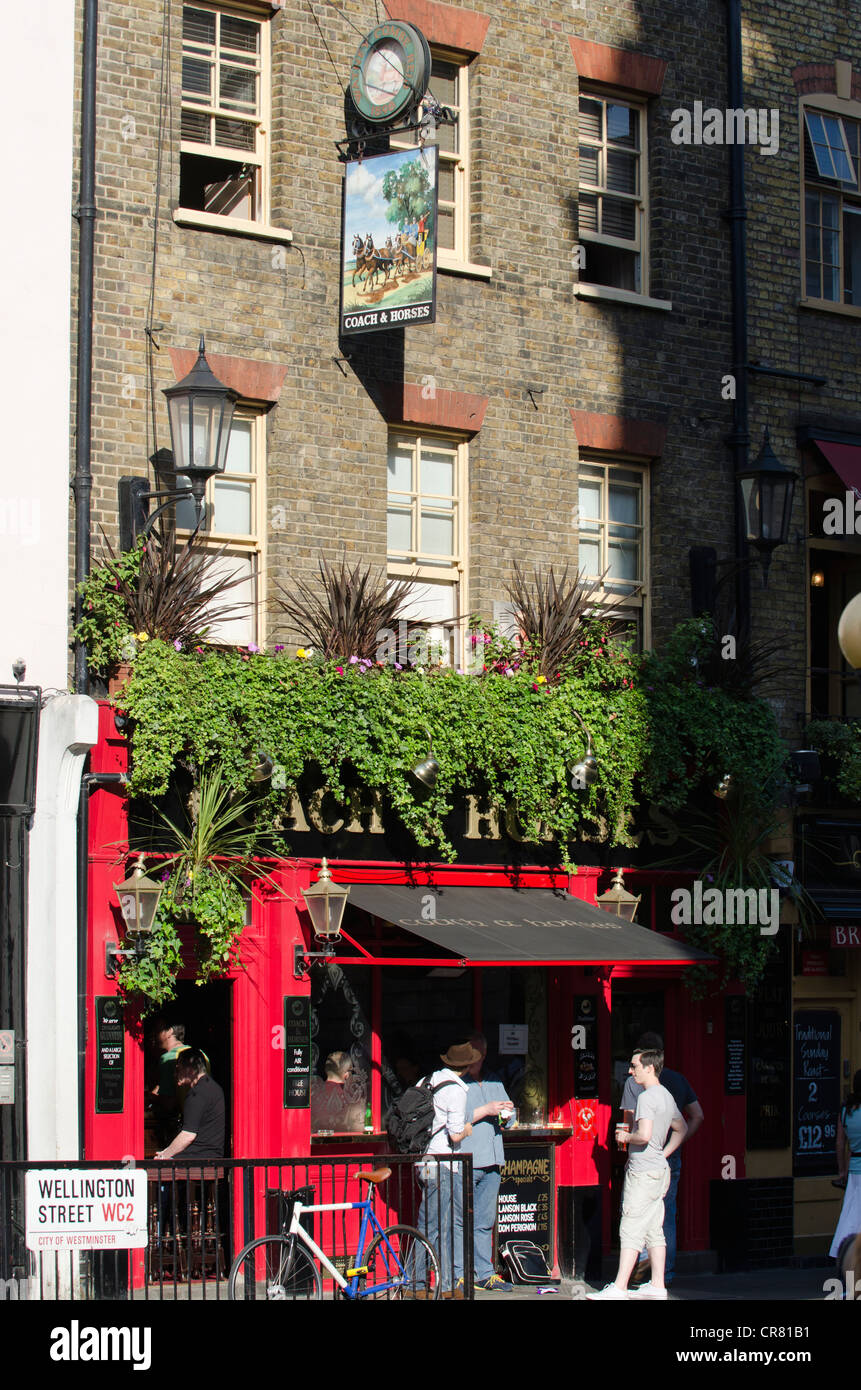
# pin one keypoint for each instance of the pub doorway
(205, 1011)
(635, 1010)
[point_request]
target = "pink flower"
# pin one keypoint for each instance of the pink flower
(354, 661)
(253, 647)
(177, 646)
(340, 670)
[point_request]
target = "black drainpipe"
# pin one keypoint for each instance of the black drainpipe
(82, 485)
(739, 439)
(86, 216)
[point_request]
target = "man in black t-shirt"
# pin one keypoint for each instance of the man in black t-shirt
(202, 1133)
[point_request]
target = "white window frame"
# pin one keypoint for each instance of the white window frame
(640, 244)
(243, 546)
(424, 569)
(456, 257)
(260, 157)
(608, 593)
(818, 103)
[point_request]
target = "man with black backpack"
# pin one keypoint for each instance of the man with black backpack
(440, 1212)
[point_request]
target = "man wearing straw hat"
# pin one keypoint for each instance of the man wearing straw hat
(440, 1212)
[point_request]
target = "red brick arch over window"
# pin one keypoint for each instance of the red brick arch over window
(821, 77)
(618, 67)
(255, 381)
(401, 404)
(447, 26)
(615, 435)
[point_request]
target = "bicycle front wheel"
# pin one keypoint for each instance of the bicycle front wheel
(402, 1264)
(274, 1269)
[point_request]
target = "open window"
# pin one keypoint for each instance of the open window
(224, 124)
(612, 197)
(832, 208)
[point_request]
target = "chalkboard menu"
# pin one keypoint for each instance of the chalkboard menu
(768, 1053)
(297, 1051)
(110, 1055)
(735, 1035)
(817, 1091)
(526, 1197)
(585, 1030)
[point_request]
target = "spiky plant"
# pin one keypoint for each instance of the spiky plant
(553, 614)
(176, 594)
(345, 613)
(739, 669)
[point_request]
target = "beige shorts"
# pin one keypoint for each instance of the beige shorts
(642, 1221)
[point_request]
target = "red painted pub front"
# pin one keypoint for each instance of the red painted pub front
(559, 1026)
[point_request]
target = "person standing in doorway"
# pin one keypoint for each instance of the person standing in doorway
(203, 1119)
(486, 1100)
(685, 1097)
(647, 1178)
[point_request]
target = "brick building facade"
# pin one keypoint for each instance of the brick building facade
(583, 343)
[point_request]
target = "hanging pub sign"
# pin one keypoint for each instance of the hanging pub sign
(110, 1055)
(389, 241)
(297, 1052)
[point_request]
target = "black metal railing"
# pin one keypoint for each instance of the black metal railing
(199, 1215)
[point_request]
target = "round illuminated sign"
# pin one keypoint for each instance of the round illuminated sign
(390, 72)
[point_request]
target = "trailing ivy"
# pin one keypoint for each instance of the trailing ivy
(511, 738)
(839, 746)
(699, 731)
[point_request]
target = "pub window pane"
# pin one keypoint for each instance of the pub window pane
(422, 1015)
(437, 473)
(437, 534)
(340, 1022)
(232, 508)
(399, 530)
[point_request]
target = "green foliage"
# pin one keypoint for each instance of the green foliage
(554, 615)
(730, 851)
(105, 628)
(839, 747)
(510, 739)
(698, 730)
(154, 973)
(346, 611)
(507, 734)
(208, 867)
(152, 591)
(408, 193)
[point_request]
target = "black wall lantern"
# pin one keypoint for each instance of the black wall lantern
(767, 489)
(200, 412)
(20, 706)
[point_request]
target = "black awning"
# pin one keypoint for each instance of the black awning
(518, 926)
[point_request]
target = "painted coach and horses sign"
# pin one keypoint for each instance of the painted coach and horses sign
(389, 238)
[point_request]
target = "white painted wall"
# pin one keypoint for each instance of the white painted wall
(36, 111)
(68, 730)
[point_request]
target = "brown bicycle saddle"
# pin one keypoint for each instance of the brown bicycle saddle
(378, 1175)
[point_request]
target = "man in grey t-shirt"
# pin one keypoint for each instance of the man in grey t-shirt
(647, 1177)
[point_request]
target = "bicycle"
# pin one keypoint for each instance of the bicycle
(400, 1264)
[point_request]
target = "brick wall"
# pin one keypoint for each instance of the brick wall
(326, 435)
